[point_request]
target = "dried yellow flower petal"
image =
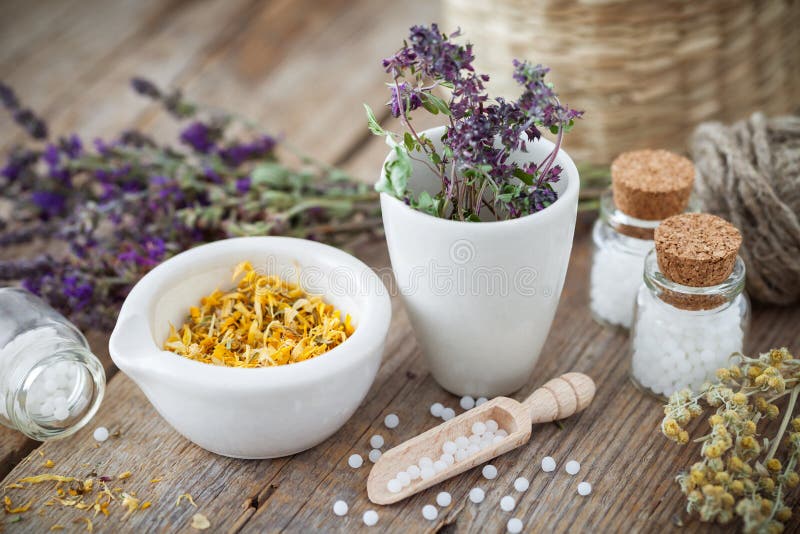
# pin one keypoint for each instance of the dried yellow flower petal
(89, 524)
(265, 321)
(49, 463)
(123, 476)
(145, 505)
(187, 497)
(57, 527)
(200, 522)
(38, 479)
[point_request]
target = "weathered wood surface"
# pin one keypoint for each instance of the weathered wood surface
(303, 68)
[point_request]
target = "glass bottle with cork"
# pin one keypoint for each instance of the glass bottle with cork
(647, 186)
(691, 311)
(50, 382)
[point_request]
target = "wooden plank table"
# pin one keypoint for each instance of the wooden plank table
(303, 68)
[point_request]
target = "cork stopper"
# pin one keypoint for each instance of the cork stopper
(652, 184)
(697, 250)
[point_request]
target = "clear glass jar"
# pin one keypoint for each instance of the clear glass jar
(621, 243)
(50, 382)
(681, 334)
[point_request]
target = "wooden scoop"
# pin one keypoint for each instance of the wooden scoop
(557, 399)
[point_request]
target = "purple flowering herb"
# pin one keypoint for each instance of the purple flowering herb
(475, 165)
(124, 204)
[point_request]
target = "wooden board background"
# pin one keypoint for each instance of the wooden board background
(303, 68)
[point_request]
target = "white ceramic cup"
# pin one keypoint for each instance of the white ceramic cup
(481, 296)
(263, 412)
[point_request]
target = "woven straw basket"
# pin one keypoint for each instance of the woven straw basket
(645, 71)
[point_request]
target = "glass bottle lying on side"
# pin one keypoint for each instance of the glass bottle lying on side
(51, 384)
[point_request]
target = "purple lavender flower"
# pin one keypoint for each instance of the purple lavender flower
(32, 124)
(51, 204)
(243, 185)
(237, 153)
(404, 98)
(145, 88)
(72, 146)
(199, 136)
(8, 97)
(78, 289)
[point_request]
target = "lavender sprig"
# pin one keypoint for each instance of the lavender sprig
(123, 206)
(474, 166)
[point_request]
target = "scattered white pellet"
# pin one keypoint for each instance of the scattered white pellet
(478, 428)
(355, 461)
(391, 421)
(476, 495)
(436, 409)
(502, 433)
(100, 433)
(584, 489)
(413, 471)
(514, 525)
(448, 413)
(449, 459)
(404, 478)
(472, 449)
(497, 439)
(394, 486)
(370, 518)
(376, 441)
(461, 455)
(439, 466)
(467, 402)
(507, 503)
(521, 484)
(449, 447)
(430, 512)
(61, 413)
(492, 426)
(427, 473)
(340, 508)
(480, 400)
(425, 462)
(462, 442)
(572, 467)
(489, 472)
(548, 464)
(374, 455)
(444, 499)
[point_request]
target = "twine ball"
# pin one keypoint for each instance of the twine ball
(749, 174)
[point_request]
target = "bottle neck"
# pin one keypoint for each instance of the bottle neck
(56, 394)
(690, 298)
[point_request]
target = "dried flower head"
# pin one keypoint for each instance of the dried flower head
(263, 322)
(740, 473)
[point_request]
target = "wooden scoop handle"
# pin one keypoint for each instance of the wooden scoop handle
(560, 397)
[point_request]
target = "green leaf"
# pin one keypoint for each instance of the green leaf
(394, 179)
(554, 129)
(372, 122)
(429, 105)
(270, 174)
(435, 158)
(400, 172)
(440, 104)
(526, 177)
(408, 140)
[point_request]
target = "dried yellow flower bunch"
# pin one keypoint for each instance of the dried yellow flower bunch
(264, 321)
(740, 473)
